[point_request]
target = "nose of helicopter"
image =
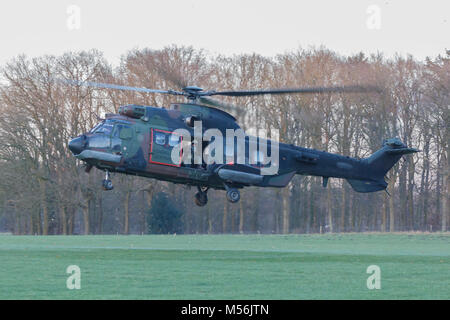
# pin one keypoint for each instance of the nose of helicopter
(77, 145)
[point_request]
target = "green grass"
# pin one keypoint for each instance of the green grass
(413, 266)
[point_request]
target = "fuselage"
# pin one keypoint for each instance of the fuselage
(141, 141)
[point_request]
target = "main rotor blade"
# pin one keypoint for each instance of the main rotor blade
(347, 89)
(219, 104)
(117, 87)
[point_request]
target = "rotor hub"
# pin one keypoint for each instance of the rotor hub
(192, 92)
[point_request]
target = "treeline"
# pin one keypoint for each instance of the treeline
(45, 190)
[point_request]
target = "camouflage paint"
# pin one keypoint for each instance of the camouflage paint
(142, 156)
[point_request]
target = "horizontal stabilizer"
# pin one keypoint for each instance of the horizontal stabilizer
(366, 185)
(402, 151)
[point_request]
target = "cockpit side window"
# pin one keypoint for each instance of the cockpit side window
(116, 141)
(118, 129)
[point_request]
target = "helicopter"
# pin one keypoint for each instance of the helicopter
(145, 141)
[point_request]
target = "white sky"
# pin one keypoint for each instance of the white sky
(421, 28)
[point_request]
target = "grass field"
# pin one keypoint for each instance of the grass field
(413, 266)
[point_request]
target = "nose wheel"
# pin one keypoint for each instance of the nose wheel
(201, 198)
(107, 183)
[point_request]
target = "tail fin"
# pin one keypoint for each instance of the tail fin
(384, 159)
(379, 164)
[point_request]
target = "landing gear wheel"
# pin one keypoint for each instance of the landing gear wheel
(201, 199)
(233, 195)
(107, 185)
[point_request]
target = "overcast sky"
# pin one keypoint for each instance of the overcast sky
(421, 28)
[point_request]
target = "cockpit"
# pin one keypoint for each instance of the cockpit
(106, 135)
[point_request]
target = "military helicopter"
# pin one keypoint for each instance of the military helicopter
(140, 140)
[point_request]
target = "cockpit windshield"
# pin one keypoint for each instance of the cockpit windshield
(95, 127)
(106, 135)
(105, 127)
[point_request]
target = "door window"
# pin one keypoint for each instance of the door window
(162, 144)
(174, 140)
(160, 138)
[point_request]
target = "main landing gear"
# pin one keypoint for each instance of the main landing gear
(233, 194)
(107, 183)
(201, 198)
